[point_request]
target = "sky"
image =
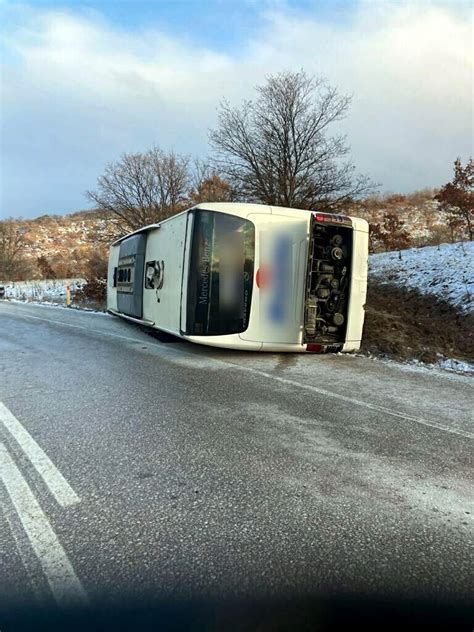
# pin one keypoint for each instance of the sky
(84, 82)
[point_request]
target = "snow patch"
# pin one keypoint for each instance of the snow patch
(445, 271)
(456, 368)
(51, 291)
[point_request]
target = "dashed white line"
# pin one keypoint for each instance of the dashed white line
(58, 570)
(53, 478)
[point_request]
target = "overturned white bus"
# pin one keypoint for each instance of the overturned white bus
(246, 276)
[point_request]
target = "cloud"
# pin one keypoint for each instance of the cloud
(78, 91)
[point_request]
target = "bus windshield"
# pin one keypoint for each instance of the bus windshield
(220, 274)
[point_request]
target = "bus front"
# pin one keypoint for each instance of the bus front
(273, 279)
(220, 279)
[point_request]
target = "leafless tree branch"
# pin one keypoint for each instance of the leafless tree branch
(142, 189)
(277, 150)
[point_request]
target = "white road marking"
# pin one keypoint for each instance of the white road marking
(309, 387)
(62, 579)
(53, 478)
(358, 402)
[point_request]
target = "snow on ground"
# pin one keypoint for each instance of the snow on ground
(457, 366)
(446, 271)
(52, 291)
(449, 365)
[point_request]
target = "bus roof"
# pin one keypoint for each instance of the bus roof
(144, 229)
(231, 207)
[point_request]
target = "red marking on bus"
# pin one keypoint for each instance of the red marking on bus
(262, 277)
(314, 348)
(332, 219)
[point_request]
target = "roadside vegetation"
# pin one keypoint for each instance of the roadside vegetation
(277, 149)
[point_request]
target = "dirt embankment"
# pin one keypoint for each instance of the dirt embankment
(404, 324)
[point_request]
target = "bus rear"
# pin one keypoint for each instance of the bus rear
(275, 279)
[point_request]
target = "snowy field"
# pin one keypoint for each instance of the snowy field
(53, 291)
(446, 271)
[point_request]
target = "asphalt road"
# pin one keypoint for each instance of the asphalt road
(225, 490)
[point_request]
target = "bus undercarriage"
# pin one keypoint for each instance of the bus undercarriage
(328, 282)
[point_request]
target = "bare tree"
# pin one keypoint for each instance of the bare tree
(390, 234)
(457, 197)
(142, 189)
(394, 234)
(12, 246)
(208, 186)
(277, 150)
(46, 269)
(376, 236)
(456, 226)
(438, 233)
(95, 266)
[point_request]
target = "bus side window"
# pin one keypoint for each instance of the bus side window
(154, 275)
(149, 275)
(115, 277)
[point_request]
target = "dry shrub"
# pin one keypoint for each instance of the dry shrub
(94, 291)
(92, 294)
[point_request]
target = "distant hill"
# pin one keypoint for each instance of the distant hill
(65, 241)
(422, 218)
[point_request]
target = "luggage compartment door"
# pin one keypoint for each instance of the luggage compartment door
(130, 275)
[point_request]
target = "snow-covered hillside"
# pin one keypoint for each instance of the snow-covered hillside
(446, 271)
